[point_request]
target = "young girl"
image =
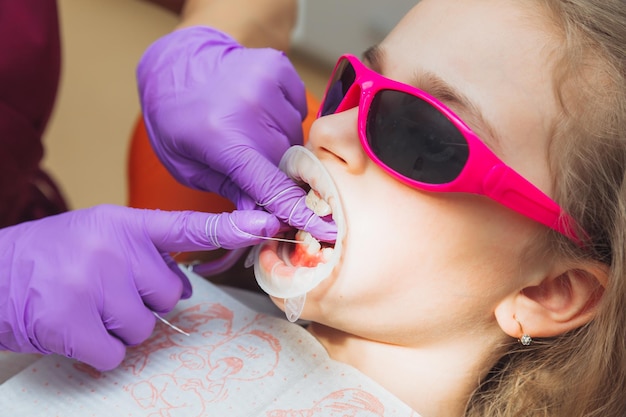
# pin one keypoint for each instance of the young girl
(461, 287)
(437, 287)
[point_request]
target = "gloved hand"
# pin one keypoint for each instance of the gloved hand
(220, 117)
(85, 284)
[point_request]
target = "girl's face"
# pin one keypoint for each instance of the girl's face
(419, 266)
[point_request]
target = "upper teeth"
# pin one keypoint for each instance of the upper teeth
(319, 207)
(315, 203)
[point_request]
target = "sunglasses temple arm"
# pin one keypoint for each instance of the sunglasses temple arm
(508, 188)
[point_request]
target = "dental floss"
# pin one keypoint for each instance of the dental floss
(278, 239)
(178, 329)
(232, 223)
(275, 197)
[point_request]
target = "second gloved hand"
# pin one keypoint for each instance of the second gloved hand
(220, 117)
(85, 284)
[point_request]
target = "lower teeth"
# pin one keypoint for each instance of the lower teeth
(311, 244)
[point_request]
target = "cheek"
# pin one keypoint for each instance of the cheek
(386, 223)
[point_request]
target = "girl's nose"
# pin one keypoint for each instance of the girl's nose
(336, 136)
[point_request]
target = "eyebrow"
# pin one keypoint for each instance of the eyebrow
(437, 87)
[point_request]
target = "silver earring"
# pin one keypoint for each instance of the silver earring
(525, 339)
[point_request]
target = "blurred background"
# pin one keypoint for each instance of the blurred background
(88, 136)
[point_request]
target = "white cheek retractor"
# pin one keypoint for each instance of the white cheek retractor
(273, 267)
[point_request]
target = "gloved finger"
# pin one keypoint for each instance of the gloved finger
(83, 338)
(136, 281)
(208, 179)
(191, 231)
(279, 91)
(300, 213)
(282, 126)
(285, 118)
(231, 230)
(102, 351)
(131, 321)
(173, 265)
(281, 196)
(159, 283)
(292, 86)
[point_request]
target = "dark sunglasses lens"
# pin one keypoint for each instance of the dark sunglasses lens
(415, 139)
(342, 79)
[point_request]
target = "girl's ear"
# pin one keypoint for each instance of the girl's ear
(563, 301)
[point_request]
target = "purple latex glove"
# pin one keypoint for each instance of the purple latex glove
(85, 284)
(220, 117)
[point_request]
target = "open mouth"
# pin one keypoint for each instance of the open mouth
(289, 270)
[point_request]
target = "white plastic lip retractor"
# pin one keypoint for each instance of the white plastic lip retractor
(302, 166)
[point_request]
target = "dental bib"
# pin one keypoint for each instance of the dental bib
(236, 362)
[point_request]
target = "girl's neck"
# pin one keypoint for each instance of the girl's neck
(434, 380)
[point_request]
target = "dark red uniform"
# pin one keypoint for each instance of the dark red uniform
(30, 61)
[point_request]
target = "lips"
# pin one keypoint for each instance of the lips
(287, 270)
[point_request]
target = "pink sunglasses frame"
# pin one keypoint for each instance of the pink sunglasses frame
(483, 174)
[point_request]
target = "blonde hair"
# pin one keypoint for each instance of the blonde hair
(582, 373)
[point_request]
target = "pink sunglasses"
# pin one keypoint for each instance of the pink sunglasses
(419, 141)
